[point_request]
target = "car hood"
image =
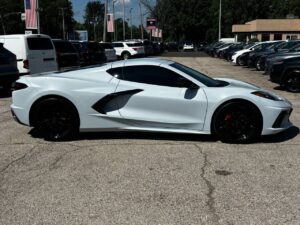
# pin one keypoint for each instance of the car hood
(239, 84)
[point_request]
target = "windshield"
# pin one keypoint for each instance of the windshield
(209, 82)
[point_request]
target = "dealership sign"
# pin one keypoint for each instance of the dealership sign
(151, 24)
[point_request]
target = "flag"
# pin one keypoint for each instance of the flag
(110, 23)
(31, 14)
(151, 24)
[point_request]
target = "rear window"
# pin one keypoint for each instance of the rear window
(39, 43)
(64, 46)
(138, 44)
(106, 46)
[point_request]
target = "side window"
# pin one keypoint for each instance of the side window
(116, 72)
(118, 45)
(153, 75)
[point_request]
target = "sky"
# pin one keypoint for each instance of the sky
(79, 7)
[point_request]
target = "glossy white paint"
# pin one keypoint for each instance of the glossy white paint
(155, 108)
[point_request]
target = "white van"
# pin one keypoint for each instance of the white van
(35, 53)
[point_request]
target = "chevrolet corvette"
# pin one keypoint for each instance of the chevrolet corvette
(153, 95)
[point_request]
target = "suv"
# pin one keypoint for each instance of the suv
(110, 53)
(126, 50)
(8, 68)
(66, 54)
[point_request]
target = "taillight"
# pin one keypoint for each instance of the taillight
(18, 86)
(26, 64)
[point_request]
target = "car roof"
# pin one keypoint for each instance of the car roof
(142, 61)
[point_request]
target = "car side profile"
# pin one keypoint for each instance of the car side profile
(147, 95)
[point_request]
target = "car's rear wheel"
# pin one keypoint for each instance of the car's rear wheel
(126, 55)
(237, 122)
(292, 81)
(56, 119)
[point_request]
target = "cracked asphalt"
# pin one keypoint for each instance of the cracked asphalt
(151, 179)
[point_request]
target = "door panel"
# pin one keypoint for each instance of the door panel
(163, 107)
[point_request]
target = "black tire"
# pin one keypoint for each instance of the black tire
(126, 55)
(292, 81)
(237, 122)
(56, 119)
(258, 65)
(240, 62)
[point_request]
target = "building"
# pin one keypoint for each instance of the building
(269, 29)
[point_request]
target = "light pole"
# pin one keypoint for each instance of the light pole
(38, 17)
(115, 28)
(130, 23)
(124, 37)
(142, 27)
(63, 22)
(220, 19)
(105, 21)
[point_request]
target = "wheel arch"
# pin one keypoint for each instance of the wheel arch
(39, 100)
(236, 100)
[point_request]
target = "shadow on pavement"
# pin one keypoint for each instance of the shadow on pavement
(281, 137)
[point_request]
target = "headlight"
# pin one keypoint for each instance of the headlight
(267, 95)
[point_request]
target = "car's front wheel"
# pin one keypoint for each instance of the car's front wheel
(55, 119)
(126, 55)
(292, 81)
(237, 122)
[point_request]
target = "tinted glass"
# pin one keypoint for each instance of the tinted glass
(154, 75)
(116, 72)
(209, 82)
(117, 45)
(134, 44)
(39, 43)
(64, 46)
(106, 45)
(93, 46)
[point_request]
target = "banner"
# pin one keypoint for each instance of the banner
(110, 23)
(30, 14)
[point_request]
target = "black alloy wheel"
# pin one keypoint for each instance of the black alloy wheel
(292, 82)
(240, 62)
(237, 122)
(56, 119)
(126, 55)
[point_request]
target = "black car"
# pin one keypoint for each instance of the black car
(8, 68)
(286, 47)
(286, 72)
(90, 53)
(67, 56)
(254, 56)
(172, 47)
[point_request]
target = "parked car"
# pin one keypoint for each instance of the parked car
(35, 52)
(148, 95)
(8, 68)
(240, 57)
(172, 47)
(110, 52)
(90, 53)
(287, 47)
(126, 50)
(66, 54)
(188, 46)
(286, 72)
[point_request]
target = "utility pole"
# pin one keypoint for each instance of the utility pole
(124, 34)
(105, 21)
(38, 17)
(63, 22)
(115, 28)
(220, 20)
(130, 23)
(142, 27)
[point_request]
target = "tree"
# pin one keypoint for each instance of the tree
(93, 19)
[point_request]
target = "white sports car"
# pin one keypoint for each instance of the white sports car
(147, 95)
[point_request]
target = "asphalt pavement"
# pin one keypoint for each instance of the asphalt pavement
(149, 178)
